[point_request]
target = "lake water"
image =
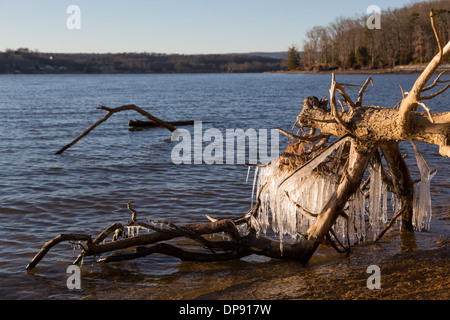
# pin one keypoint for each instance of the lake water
(87, 187)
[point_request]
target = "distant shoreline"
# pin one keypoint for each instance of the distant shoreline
(408, 69)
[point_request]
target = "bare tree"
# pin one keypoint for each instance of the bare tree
(406, 36)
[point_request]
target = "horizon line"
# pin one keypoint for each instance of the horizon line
(141, 52)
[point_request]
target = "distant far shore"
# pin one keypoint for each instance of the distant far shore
(418, 68)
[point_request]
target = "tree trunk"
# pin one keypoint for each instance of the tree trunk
(401, 180)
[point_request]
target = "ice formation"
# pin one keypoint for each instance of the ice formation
(422, 198)
(134, 230)
(290, 201)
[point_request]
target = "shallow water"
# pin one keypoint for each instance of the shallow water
(87, 187)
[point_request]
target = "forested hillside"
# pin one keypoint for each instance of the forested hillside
(405, 36)
(25, 61)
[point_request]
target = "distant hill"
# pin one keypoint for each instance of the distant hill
(28, 62)
(274, 55)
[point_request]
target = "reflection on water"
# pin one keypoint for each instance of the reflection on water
(87, 188)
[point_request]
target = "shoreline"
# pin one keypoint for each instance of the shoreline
(407, 69)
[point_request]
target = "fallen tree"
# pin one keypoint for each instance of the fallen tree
(330, 183)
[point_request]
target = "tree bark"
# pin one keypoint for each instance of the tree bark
(402, 181)
(373, 124)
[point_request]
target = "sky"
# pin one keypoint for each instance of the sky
(171, 26)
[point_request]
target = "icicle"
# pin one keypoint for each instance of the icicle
(362, 209)
(375, 199)
(281, 244)
(133, 230)
(397, 208)
(283, 191)
(248, 173)
(422, 199)
(254, 184)
(394, 202)
(352, 218)
(384, 194)
(320, 190)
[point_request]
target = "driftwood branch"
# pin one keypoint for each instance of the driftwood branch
(50, 244)
(238, 247)
(109, 113)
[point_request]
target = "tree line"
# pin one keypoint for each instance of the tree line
(404, 37)
(26, 61)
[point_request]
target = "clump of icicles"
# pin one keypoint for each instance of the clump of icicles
(290, 200)
(134, 230)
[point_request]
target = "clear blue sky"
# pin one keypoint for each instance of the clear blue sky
(171, 26)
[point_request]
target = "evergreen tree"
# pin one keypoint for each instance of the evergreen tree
(293, 58)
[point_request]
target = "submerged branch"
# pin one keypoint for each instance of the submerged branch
(109, 113)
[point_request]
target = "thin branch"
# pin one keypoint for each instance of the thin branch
(420, 155)
(174, 228)
(437, 35)
(398, 214)
(134, 213)
(109, 113)
(427, 110)
(299, 206)
(403, 93)
(337, 240)
(431, 96)
(436, 81)
(50, 244)
(311, 138)
(334, 110)
(323, 152)
(362, 90)
(333, 245)
(186, 233)
(102, 236)
(347, 98)
(173, 251)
